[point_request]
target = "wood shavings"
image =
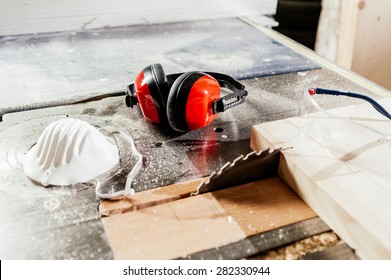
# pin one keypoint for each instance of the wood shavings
(300, 248)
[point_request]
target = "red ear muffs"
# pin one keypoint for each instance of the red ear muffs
(184, 101)
(150, 91)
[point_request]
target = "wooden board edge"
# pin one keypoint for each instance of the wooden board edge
(330, 211)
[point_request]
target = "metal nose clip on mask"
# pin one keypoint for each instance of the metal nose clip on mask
(71, 151)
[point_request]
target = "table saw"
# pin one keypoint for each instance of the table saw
(83, 75)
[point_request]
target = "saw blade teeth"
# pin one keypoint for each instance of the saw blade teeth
(236, 160)
(217, 180)
(210, 177)
(248, 155)
(225, 166)
(199, 187)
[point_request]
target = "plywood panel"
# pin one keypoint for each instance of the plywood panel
(192, 224)
(148, 198)
(340, 165)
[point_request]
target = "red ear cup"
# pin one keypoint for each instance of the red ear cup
(151, 89)
(189, 104)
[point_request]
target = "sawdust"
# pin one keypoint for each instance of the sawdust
(300, 248)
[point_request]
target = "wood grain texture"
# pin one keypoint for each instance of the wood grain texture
(372, 52)
(326, 43)
(148, 198)
(339, 164)
(348, 14)
(188, 225)
(337, 29)
(354, 33)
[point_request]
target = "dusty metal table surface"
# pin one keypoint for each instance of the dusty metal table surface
(63, 223)
(59, 68)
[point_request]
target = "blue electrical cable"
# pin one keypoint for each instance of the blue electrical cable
(376, 105)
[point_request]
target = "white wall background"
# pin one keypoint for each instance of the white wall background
(36, 16)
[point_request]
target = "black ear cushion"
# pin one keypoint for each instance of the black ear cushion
(160, 79)
(177, 100)
(158, 87)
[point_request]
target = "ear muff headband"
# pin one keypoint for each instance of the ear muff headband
(227, 101)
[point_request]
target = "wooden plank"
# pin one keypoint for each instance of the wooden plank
(22, 17)
(354, 34)
(372, 53)
(148, 198)
(347, 31)
(328, 26)
(340, 167)
(324, 60)
(193, 224)
(337, 29)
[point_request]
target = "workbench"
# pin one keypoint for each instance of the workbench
(83, 75)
